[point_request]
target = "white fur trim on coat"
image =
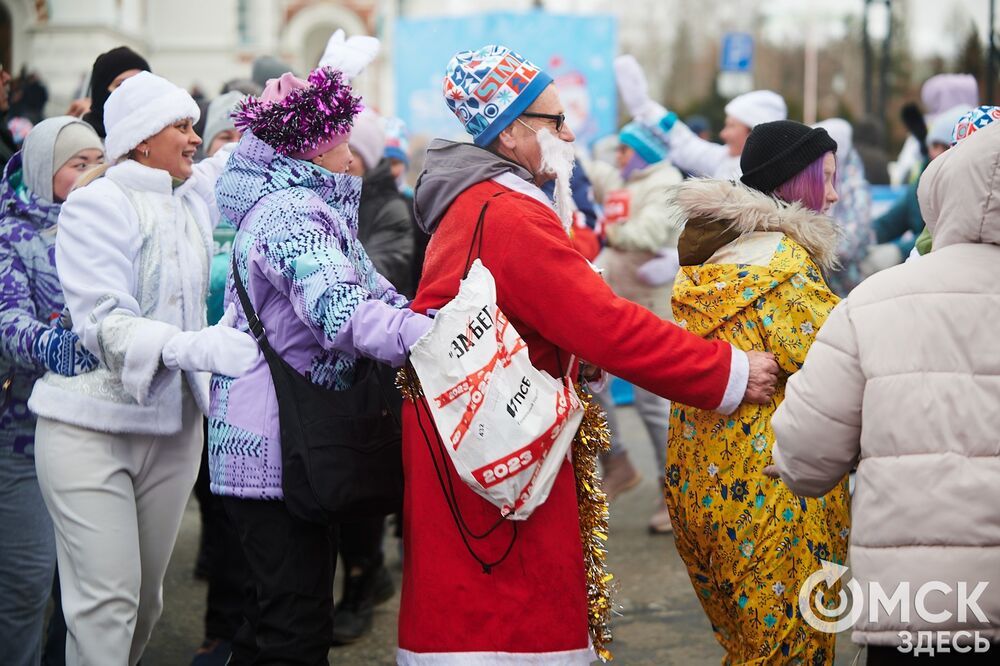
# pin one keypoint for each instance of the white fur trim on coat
(143, 372)
(579, 657)
(747, 210)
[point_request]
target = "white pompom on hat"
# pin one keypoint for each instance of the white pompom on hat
(139, 108)
(759, 106)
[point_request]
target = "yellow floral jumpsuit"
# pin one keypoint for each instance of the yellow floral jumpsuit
(748, 542)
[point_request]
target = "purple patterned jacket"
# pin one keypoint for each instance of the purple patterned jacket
(30, 298)
(316, 292)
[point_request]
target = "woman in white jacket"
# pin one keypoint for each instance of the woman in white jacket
(117, 450)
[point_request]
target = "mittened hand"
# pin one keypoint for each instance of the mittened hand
(415, 327)
(219, 349)
(349, 56)
(61, 352)
(635, 91)
(661, 269)
(631, 83)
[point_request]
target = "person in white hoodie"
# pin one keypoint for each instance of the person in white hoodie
(117, 449)
(903, 383)
(688, 151)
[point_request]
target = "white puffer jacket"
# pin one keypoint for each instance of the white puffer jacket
(132, 253)
(649, 223)
(904, 381)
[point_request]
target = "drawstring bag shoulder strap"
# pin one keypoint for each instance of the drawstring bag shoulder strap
(476, 242)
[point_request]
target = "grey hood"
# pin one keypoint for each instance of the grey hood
(957, 191)
(450, 168)
(38, 153)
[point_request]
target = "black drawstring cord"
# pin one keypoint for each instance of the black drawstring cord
(452, 501)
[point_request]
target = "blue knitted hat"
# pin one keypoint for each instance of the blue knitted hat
(646, 144)
(489, 88)
(397, 140)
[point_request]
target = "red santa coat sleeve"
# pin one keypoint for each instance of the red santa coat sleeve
(551, 287)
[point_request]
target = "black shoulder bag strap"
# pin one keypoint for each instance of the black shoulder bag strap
(256, 327)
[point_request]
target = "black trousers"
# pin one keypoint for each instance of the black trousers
(54, 652)
(361, 543)
(289, 606)
(880, 655)
(227, 567)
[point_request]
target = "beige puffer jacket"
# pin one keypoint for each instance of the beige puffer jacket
(904, 381)
(651, 223)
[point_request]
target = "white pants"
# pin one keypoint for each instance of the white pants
(116, 502)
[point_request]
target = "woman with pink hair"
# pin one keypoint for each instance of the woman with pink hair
(751, 256)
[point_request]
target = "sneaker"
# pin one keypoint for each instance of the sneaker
(660, 522)
(354, 613)
(619, 475)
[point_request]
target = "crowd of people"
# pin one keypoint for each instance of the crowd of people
(167, 262)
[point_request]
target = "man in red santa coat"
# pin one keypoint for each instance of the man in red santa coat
(531, 607)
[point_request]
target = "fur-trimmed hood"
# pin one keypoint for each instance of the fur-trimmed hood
(771, 253)
(721, 211)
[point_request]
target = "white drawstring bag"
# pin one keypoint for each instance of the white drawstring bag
(506, 425)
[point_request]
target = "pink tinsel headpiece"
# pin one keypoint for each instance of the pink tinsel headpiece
(298, 118)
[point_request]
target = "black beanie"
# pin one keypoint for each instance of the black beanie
(778, 151)
(106, 69)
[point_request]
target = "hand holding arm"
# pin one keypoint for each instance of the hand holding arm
(219, 349)
(60, 351)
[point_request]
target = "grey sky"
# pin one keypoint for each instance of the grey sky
(932, 23)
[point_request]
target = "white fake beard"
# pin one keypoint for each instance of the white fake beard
(558, 157)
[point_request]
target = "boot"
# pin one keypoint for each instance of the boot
(619, 475)
(363, 590)
(660, 522)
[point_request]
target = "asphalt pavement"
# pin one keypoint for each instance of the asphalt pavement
(660, 620)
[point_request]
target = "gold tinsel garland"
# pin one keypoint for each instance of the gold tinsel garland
(592, 439)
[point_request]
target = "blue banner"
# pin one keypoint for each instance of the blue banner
(576, 51)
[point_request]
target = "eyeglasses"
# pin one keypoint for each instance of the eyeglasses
(558, 118)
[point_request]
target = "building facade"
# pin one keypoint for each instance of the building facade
(200, 43)
(205, 43)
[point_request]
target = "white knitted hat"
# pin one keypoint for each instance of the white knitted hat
(759, 106)
(139, 108)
